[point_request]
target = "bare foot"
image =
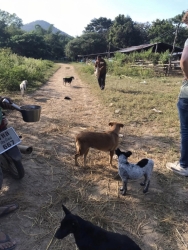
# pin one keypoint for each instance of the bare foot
(6, 243)
(6, 209)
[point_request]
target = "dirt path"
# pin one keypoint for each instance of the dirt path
(50, 164)
(52, 179)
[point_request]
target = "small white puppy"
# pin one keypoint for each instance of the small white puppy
(23, 86)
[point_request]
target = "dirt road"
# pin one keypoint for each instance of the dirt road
(52, 178)
(51, 165)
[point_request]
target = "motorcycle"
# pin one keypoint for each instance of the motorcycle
(10, 148)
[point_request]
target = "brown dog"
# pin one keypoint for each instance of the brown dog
(104, 141)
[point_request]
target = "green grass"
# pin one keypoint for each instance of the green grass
(14, 69)
(136, 99)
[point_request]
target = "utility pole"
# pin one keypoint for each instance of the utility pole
(109, 50)
(173, 47)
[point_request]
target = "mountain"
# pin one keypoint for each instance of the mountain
(45, 25)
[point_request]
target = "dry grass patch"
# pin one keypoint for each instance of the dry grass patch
(148, 133)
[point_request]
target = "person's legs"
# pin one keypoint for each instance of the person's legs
(183, 116)
(99, 81)
(181, 167)
(103, 77)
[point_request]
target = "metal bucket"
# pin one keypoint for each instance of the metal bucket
(30, 113)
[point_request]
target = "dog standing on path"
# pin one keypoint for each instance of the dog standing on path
(134, 171)
(104, 141)
(68, 80)
(23, 87)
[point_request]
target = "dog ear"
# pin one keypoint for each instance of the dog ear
(118, 151)
(66, 210)
(128, 153)
(121, 125)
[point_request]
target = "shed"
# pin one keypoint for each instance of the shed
(156, 47)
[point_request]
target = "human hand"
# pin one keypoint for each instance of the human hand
(6, 104)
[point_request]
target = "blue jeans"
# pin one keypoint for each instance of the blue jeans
(182, 106)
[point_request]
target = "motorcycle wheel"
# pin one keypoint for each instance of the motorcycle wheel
(15, 168)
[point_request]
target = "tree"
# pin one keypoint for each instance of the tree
(12, 30)
(88, 43)
(10, 19)
(182, 33)
(165, 31)
(162, 31)
(4, 36)
(39, 30)
(9, 26)
(100, 25)
(50, 29)
(124, 33)
(142, 31)
(182, 36)
(29, 44)
(42, 31)
(40, 43)
(56, 42)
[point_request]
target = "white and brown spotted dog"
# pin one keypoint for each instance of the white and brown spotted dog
(134, 171)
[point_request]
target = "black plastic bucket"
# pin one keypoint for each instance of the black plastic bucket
(30, 113)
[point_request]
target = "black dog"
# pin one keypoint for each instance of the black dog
(68, 80)
(91, 237)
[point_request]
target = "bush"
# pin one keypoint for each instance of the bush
(121, 65)
(164, 57)
(88, 69)
(14, 69)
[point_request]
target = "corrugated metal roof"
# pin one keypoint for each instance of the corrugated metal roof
(104, 53)
(158, 46)
(132, 48)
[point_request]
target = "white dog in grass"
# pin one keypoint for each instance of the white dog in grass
(23, 86)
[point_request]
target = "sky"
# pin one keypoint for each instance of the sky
(72, 16)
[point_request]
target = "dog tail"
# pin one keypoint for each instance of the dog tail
(77, 146)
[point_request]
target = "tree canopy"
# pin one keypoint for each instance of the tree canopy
(100, 35)
(88, 43)
(10, 19)
(162, 31)
(39, 43)
(124, 32)
(100, 25)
